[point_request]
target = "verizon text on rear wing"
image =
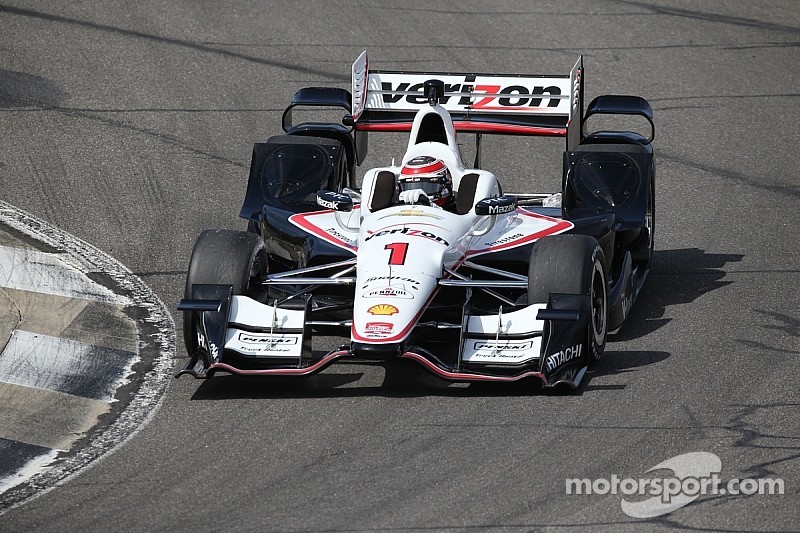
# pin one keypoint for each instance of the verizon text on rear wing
(479, 103)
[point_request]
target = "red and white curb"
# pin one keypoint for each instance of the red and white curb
(74, 341)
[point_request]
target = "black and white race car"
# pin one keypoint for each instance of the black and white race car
(428, 260)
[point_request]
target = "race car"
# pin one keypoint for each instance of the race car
(428, 260)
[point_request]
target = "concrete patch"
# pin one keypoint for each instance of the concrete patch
(31, 270)
(77, 319)
(10, 317)
(22, 459)
(46, 418)
(63, 365)
(15, 455)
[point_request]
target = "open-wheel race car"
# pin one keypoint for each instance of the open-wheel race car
(428, 260)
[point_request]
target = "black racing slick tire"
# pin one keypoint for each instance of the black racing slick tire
(643, 253)
(573, 264)
(224, 257)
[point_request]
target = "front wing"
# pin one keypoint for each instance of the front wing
(239, 335)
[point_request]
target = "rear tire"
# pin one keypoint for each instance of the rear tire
(643, 253)
(573, 264)
(223, 257)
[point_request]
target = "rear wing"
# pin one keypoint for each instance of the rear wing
(479, 103)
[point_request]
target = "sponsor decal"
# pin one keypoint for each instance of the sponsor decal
(339, 235)
(576, 91)
(272, 340)
(494, 356)
(266, 349)
(500, 209)
(334, 200)
(384, 328)
(569, 375)
(338, 196)
(493, 96)
(564, 356)
(496, 206)
(210, 347)
(327, 203)
(423, 165)
(390, 278)
(396, 291)
(412, 213)
(410, 232)
(383, 309)
(503, 345)
(503, 240)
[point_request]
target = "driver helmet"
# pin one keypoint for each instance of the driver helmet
(429, 174)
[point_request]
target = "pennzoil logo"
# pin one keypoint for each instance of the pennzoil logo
(383, 309)
(391, 291)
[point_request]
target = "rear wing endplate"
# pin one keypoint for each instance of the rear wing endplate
(623, 105)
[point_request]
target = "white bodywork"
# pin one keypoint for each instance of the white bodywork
(285, 338)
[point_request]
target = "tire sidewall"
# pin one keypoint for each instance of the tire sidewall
(598, 319)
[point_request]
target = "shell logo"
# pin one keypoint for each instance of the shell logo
(382, 309)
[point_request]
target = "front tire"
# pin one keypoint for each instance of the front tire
(223, 257)
(573, 264)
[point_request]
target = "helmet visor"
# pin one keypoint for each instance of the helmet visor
(428, 187)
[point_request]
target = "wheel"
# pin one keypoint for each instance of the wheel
(643, 253)
(224, 257)
(573, 264)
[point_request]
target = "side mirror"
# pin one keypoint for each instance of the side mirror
(335, 200)
(496, 206)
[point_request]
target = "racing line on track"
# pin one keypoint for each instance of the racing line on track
(81, 337)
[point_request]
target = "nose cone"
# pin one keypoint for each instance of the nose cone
(401, 255)
(388, 304)
(399, 266)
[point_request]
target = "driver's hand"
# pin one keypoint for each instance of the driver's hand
(414, 196)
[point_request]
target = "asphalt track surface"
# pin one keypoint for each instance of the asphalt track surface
(130, 125)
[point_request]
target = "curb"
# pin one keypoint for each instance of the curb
(118, 365)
